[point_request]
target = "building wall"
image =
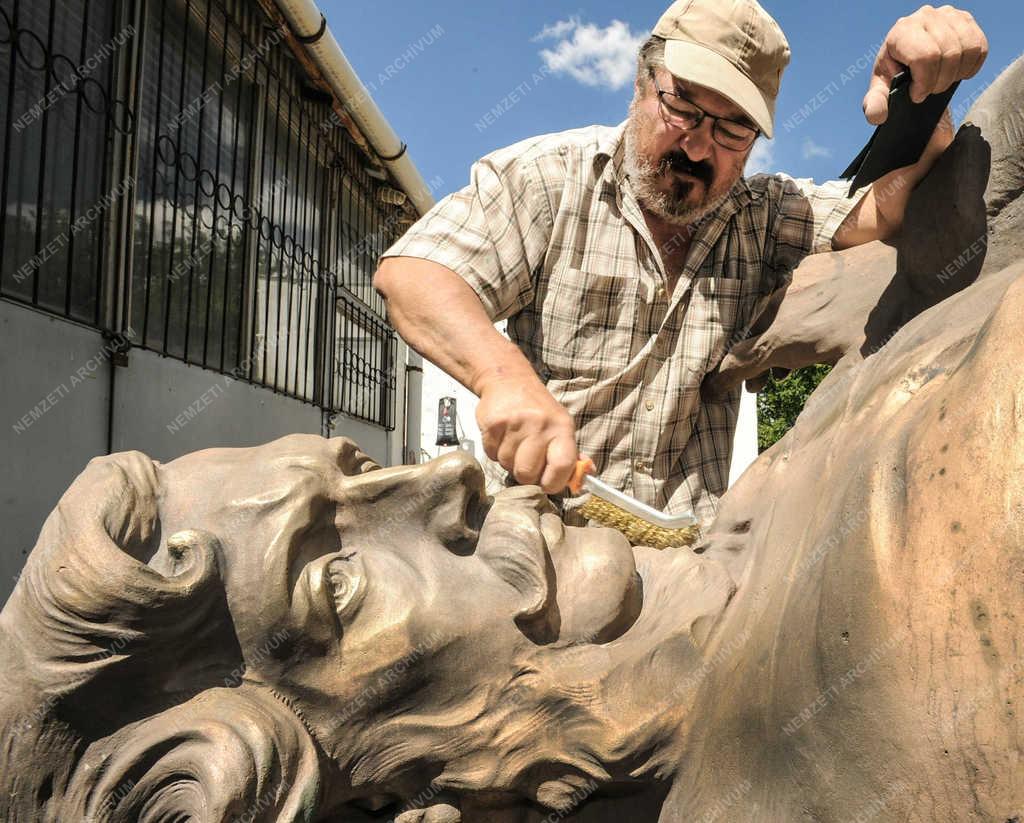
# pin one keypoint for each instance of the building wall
(437, 384)
(55, 409)
(744, 446)
(167, 408)
(39, 357)
(211, 208)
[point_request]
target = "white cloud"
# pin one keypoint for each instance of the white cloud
(555, 31)
(812, 149)
(594, 56)
(762, 156)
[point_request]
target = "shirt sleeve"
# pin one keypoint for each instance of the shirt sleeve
(494, 233)
(806, 217)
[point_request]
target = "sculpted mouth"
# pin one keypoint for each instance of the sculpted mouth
(590, 573)
(525, 498)
(514, 544)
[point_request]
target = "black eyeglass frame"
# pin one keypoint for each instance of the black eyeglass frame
(671, 113)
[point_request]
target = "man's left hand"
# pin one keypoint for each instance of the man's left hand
(939, 46)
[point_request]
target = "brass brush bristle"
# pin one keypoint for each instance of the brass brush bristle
(641, 524)
(638, 532)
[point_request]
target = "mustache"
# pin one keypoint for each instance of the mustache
(678, 161)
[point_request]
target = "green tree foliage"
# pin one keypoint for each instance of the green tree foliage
(782, 400)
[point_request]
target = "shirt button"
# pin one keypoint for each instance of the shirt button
(640, 465)
(660, 293)
(649, 405)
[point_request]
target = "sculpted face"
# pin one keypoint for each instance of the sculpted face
(322, 625)
(349, 583)
(678, 175)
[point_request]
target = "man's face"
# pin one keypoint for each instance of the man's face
(680, 176)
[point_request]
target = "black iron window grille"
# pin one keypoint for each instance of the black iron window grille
(254, 223)
(61, 111)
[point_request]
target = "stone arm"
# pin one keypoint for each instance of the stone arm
(852, 302)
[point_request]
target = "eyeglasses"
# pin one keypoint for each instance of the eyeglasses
(686, 115)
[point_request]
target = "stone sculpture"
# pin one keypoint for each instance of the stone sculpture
(290, 632)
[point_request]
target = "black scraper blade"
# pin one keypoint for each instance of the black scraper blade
(901, 139)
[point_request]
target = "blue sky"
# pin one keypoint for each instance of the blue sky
(457, 79)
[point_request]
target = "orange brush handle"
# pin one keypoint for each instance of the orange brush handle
(584, 466)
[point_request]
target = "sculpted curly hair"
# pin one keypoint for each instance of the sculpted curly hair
(88, 616)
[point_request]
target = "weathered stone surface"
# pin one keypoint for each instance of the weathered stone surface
(291, 633)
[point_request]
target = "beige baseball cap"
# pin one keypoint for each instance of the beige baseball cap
(733, 47)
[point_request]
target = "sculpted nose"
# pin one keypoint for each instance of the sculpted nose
(455, 500)
(450, 471)
(445, 497)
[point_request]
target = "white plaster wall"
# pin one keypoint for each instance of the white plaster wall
(744, 446)
(437, 384)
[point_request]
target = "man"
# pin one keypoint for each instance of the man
(629, 260)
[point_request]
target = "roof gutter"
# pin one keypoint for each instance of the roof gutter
(309, 28)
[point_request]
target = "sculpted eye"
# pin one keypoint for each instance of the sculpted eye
(347, 579)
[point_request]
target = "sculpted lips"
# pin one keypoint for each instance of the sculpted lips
(528, 546)
(512, 543)
(527, 499)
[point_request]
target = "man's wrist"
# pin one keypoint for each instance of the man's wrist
(504, 370)
(498, 377)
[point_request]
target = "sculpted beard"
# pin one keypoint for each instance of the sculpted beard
(645, 177)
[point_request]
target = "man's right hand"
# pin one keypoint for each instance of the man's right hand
(527, 431)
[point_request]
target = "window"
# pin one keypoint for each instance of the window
(255, 218)
(364, 363)
(294, 174)
(193, 204)
(58, 58)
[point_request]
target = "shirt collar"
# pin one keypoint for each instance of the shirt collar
(611, 154)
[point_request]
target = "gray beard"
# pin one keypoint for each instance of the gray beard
(670, 206)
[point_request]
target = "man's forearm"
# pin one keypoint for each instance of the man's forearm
(892, 191)
(879, 215)
(522, 426)
(440, 316)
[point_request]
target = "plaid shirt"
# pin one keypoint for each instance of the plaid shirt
(549, 234)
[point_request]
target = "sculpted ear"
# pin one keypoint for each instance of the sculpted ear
(113, 501)
(89, 620)
(90, 559)
(86, 588)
